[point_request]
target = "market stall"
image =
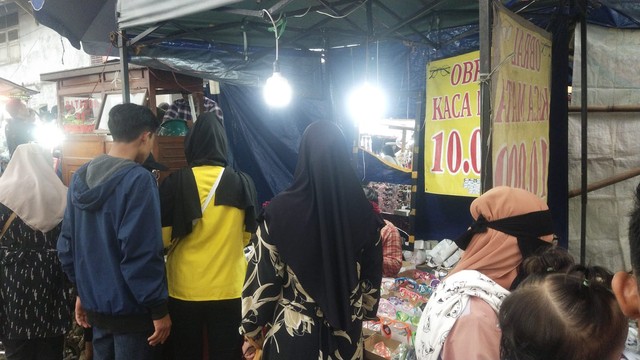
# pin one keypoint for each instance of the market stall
(85, 97)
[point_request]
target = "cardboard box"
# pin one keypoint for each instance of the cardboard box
(371, 342)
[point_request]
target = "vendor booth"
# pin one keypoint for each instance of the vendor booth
(85, 97)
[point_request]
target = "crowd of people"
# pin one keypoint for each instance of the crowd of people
(160, 272)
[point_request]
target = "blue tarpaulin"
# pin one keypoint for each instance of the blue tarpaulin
(264, 141)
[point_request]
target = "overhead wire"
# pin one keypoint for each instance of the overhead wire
(341, 16)
(275, 29)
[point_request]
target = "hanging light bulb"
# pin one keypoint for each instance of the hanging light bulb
(367, 103)
(277, 91)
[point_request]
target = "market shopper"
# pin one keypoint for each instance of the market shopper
(626, 284)
(563, 316)
(20, 128)
(460, 319)
(391, 240)
(111, 243)
(316, 270)
(35, 297)
(208, 216)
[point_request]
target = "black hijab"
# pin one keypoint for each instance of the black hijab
(323, 220)
(205, 144)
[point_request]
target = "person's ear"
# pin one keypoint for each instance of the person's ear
(625, 288)
(146, 136)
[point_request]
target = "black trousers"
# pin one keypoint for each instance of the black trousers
(50, 348)
(216, 321)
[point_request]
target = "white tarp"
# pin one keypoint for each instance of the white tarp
(613, 78)
(133, 13)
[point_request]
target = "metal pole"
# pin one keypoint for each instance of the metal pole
(124, 63)
(326, 66)
(486, 176)
(583, 125)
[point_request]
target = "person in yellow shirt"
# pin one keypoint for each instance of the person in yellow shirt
(207, 217)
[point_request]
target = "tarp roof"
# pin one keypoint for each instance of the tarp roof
(304, 24)
(8, 88)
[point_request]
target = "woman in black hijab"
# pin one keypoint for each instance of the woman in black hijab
(316, 270)
(207, 217)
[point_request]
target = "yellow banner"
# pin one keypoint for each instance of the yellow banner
(452, 126)
(520, 95)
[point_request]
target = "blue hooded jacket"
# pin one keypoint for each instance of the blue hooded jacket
(110, 245)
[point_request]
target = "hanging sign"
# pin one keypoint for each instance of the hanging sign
(452, 126)
(520, 96)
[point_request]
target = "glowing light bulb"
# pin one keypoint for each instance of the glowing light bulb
(48, 135)
(367, 102)
(277, 91)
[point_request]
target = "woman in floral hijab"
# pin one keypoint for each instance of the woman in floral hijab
(316, 270)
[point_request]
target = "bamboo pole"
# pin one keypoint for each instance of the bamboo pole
(605, 108)
(606, 182)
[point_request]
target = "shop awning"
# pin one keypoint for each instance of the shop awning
(8, 88)
(303, 24)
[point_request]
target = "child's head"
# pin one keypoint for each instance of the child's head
(546, 260)
(625, 285)
(568, 316)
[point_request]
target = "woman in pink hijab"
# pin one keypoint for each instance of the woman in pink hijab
(460, 320)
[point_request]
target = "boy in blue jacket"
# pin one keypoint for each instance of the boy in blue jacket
(111, 242)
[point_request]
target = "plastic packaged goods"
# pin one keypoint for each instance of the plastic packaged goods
(452, 260)
(441, 252)
(382, 350)
(400, 353)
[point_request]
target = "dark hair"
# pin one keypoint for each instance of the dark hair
(562, 316)
(634, 233)
(547, 260)
(14, 106)
(128, 121)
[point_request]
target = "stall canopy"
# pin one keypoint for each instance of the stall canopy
(389, 41)
(233, 40)
(80, 21)
(305, 24)
(11, 89)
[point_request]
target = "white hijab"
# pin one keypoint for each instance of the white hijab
(31, 189)
(446, 305)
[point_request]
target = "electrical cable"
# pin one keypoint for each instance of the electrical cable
(275, 30)
(341, 16)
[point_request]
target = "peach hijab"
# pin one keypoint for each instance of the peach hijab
(495, 253)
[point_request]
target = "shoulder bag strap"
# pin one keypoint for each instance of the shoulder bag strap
(212, 191)
(7, 224)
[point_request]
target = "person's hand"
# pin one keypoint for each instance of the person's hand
(162, 330)
(81, 314)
